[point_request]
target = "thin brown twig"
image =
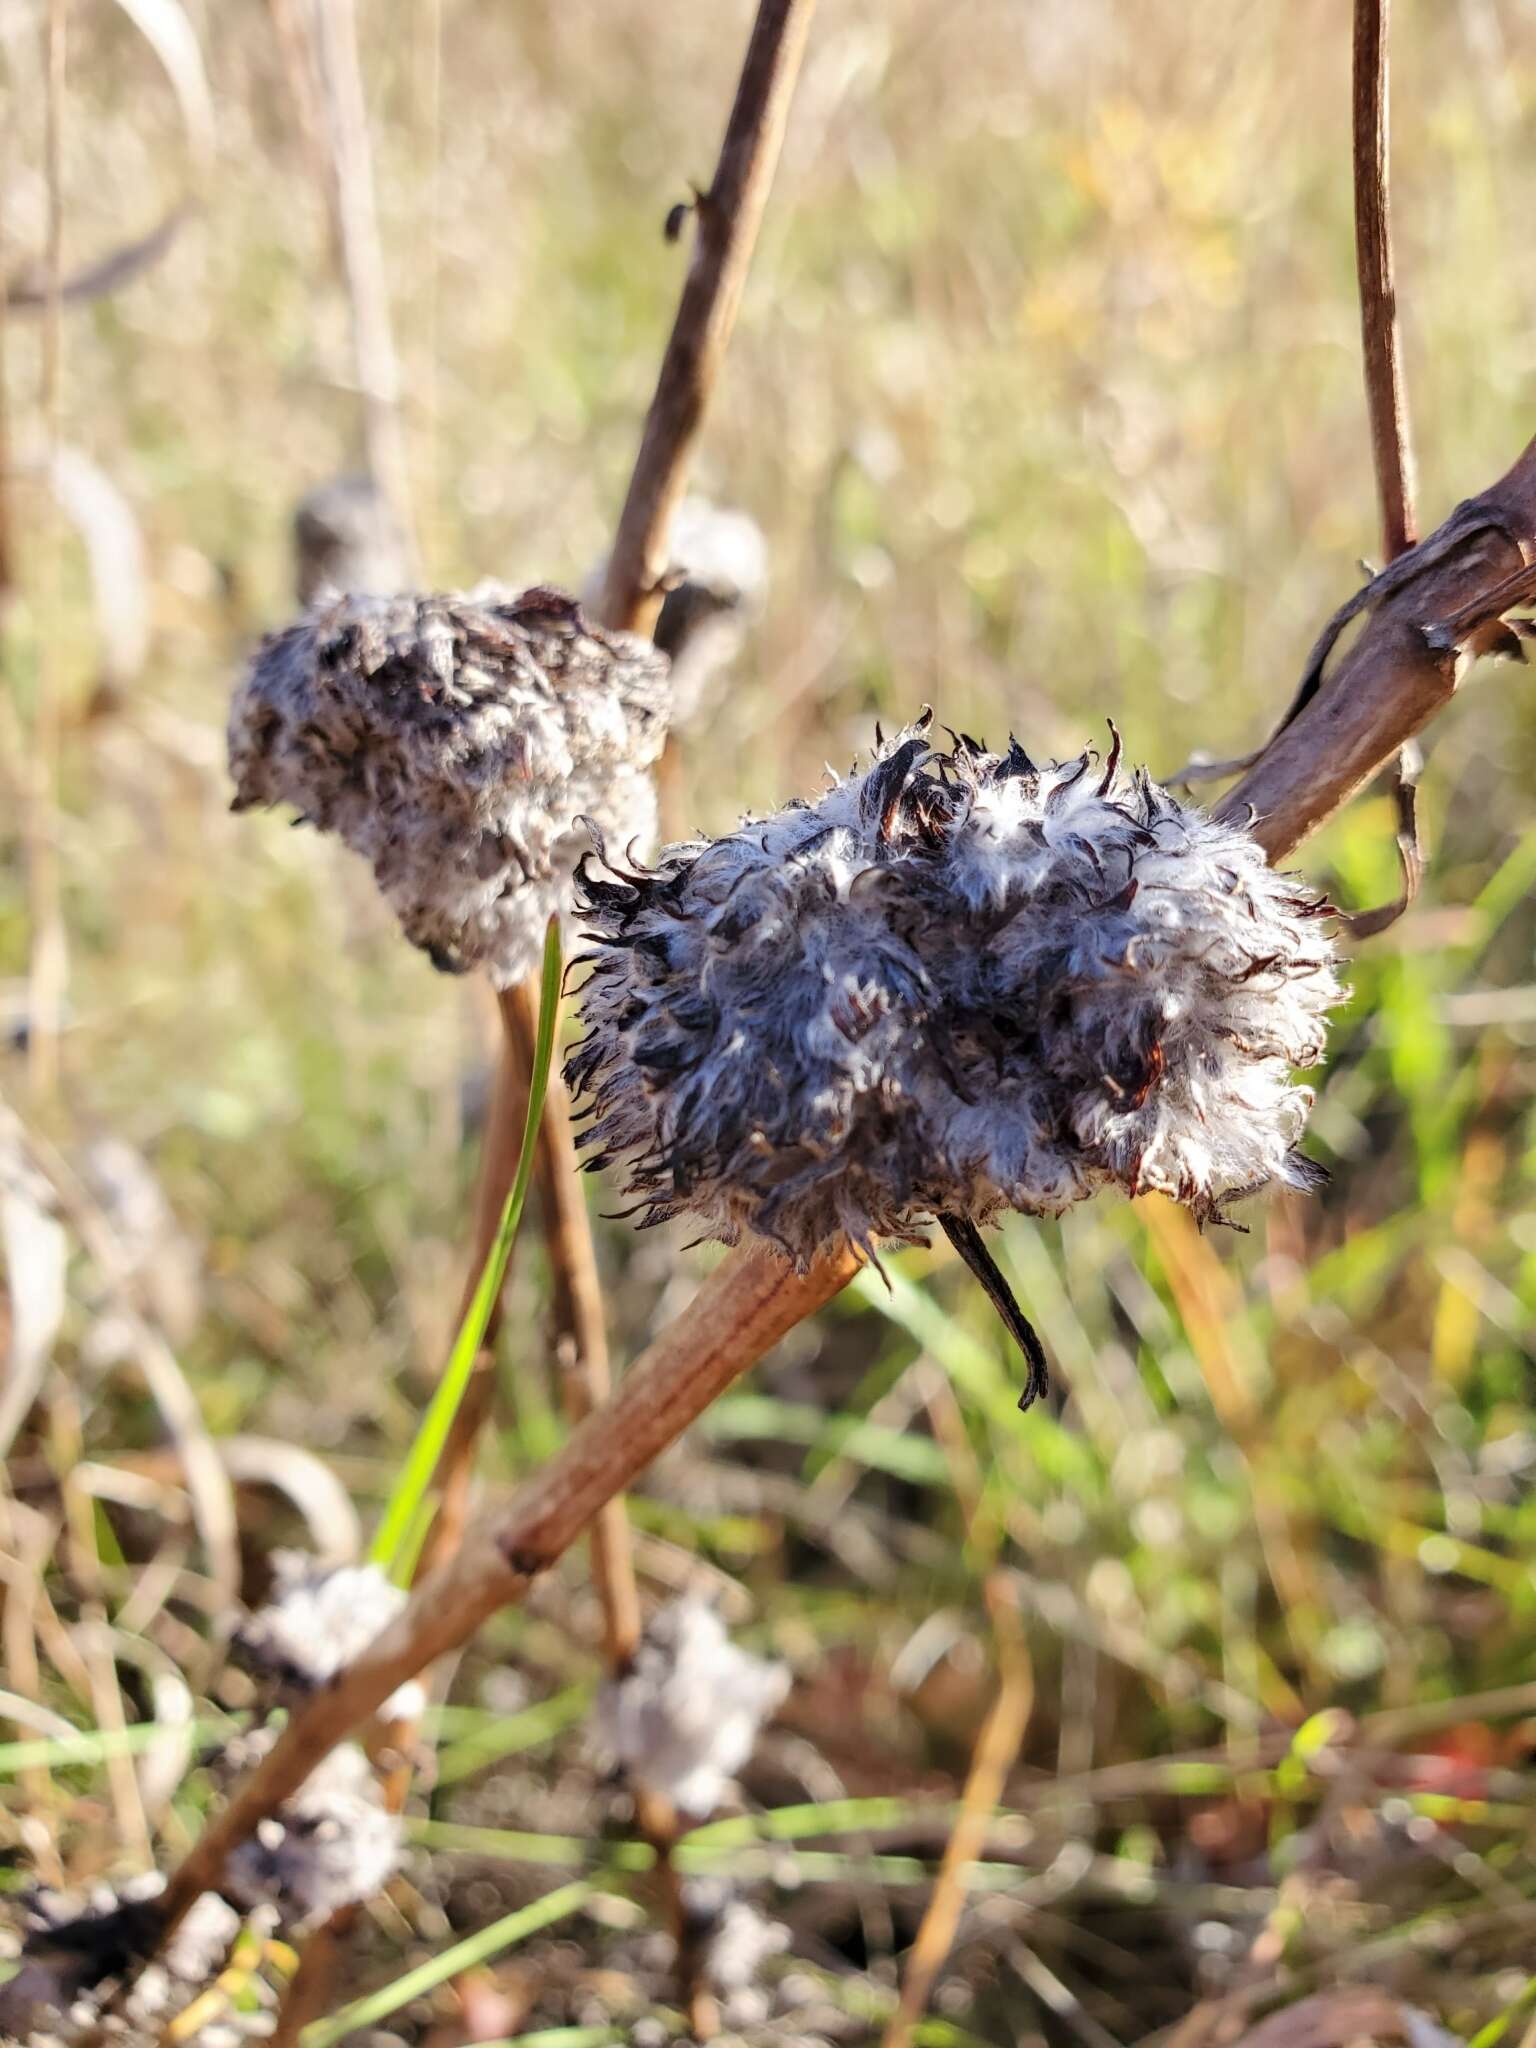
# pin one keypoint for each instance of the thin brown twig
(728, 228)
(996, 1747)
(1385, 397)
(726, 219)
(581, 1338)
(1403, 668)
(1386, 400)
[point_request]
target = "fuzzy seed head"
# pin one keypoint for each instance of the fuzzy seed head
(331, 1845)
(456, 743)
(683, 1719)
(346, 542)
(955, 984)
(75, 1948)
(318, 1619)
(721, 558)
(741, 1940)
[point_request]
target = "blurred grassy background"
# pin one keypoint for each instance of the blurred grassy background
(1047, 394)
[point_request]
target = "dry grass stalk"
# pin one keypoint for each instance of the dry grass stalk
(707, 313)
(727, 217)
(581, 1338)
(996, 1747)
(1386, 400)
(48, 961)
(362, 256)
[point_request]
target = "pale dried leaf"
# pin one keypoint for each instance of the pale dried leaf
(335, 1532)
(1348, 2014)
(167, 28)
(165, 1763)
(36, 1253)
(114, 547)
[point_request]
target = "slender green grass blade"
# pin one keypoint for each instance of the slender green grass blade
(562, 2037)
(512, 1734)
(464, 1955)
(96, 1745)
(1500, 2024)
(391, 1546)
(744, 1416)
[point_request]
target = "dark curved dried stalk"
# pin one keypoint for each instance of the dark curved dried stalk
(1430, 611)
(28, 292)
(1385, 397)
(1386, 400)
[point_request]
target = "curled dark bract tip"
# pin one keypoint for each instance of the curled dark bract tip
(969, 1243)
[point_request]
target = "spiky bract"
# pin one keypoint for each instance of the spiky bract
(957, 983)
(455, 742)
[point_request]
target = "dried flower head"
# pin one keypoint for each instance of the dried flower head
(683, 1719)
(330, 1845)
(455, 742)
(956, 984)
(346, 542)
(317, 1619)
(741, 1938)
(721, 559)
(731, 1941)
(73, 1947)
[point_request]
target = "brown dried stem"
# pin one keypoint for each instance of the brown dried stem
(727, 217)
(728, 220)
(1403, 668)
(581, 1340)
(751, 1300)
(1385, 398)
(1386, 401)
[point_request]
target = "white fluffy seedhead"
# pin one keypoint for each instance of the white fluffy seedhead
(456, 743)
(346, 542)
(330, 1845)
(683, 1719)
(721, 560)
(75, 1948)
(317, 1619)
(958, 983)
